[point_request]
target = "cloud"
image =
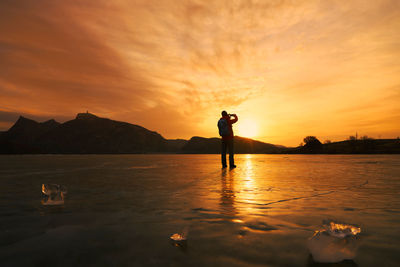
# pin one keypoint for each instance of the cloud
(144, 61)
(51, 63)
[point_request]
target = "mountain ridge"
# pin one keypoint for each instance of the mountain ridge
(90, 134)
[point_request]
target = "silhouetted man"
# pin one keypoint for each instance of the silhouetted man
(226, 132)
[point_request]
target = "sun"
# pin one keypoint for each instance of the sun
(247, 128)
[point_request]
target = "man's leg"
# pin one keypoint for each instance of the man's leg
(223, 152)
(230, 148)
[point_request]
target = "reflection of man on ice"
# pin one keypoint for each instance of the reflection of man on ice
(226, 132)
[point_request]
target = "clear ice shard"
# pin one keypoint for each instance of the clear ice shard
(334, 243)
(177, 237)
(53, 194)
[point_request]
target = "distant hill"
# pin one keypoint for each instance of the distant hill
(175, 145)
(359, 146)
(201, 145)
(367, 146)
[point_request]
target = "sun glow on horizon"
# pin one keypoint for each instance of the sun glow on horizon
(247, 128)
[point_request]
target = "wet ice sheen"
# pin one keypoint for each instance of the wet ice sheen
(260, 214)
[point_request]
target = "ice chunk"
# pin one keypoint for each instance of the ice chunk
(178, 237)
(334, 243)
(53, 194)
(341, 230)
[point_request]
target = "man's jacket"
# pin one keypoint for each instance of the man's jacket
(230, 122)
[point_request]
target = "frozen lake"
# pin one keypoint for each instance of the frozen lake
(120, 210)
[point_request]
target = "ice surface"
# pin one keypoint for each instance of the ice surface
(53, 194)
(334, 243)
(119, 216)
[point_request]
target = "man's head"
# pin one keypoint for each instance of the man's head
(224, 113)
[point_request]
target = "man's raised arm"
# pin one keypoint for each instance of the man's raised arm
(235, 119)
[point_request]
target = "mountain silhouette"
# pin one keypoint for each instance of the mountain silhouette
(86, 133)
(90, 134)
(22, 136)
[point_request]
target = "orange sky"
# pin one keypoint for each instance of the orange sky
(292, 68)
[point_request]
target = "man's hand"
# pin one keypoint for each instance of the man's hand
(235, 119)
